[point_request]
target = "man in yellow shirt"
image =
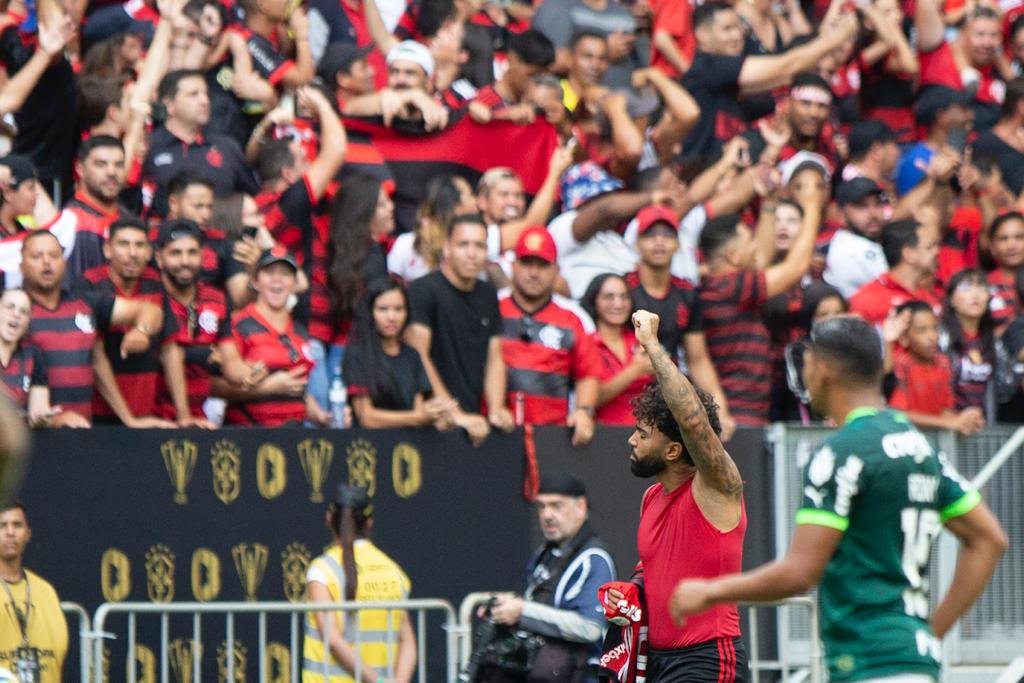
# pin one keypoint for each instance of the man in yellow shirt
(33, 632)
(376, 578)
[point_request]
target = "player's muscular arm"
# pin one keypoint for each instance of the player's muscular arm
(714, 465)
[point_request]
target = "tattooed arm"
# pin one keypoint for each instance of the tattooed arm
(715, 467)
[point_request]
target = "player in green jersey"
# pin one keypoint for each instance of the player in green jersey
(875, 497)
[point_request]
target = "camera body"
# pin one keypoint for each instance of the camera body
(502, 654)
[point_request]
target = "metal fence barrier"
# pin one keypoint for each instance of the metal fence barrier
(231, 610)
(992, 632)
(790, 659)
(84, 636)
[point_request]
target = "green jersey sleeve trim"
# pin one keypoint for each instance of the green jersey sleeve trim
(822, 518)
(965, 504)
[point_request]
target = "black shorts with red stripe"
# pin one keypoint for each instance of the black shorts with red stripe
(722, 660)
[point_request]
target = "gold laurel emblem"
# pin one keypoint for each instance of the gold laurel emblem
(279, 663)
(406, 470)
(362, 465)
(144, 662)
(226, 461)
(534, 241)
(205, 575)
(160, 573)
(181, 653)
(115, 575)
(225, 77)
(250, 562)
(316, 455)
(241, 657)
(294, 563)
(180, 461)
(271, 471)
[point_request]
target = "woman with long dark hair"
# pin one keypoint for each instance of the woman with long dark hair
(361, 217)
(970, 341)
(625, 367)
(387, 384)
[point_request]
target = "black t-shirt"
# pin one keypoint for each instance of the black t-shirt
(678, 310)
(1010, 161)
(462, 325)
(407, 374)
(713, 80)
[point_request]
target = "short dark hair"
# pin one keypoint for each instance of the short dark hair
(273, 158)
(14, 505)
(718, 232)
(127, 223)
(533, 47)
(1004, 218)
(33, 235)
(580, 35)
(462, 219)
(96, 94)
(96, 142)
(650, 407)
(705, 14)
(434, 14)
(852, 345)
(184, 180)
(897, 235)
(915, 306)
(168, 87)
(1014, 92)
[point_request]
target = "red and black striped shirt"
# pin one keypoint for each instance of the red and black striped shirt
(971, 373)
(201, 324)
(1004, 303)
(545, 351)
(258, 340)
(25, 369)
(66, 335)
(137, 374)
(738, 342)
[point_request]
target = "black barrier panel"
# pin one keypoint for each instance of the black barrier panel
(236, 514)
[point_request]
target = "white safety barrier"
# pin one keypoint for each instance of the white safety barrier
(232, 610)
(788, 661)
(84, 637)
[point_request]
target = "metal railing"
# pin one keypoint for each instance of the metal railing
(84, 637)
(992, 632)
(789, 660)
(231, 610)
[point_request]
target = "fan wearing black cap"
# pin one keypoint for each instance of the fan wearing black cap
(560, 600)
(345, 69)
(264, 335)
(947, 118)
(353, 568)
(855, 255)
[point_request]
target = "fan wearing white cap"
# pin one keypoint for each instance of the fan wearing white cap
(408, 94)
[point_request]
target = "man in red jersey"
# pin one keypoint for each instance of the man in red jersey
(692, 520)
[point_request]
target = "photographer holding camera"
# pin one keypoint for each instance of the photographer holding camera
(553, 632)
(353, 568)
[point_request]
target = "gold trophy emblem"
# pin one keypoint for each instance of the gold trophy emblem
(160, 573)
(226, 461)
(316, 455)
(180, 461)
(181, 653)
(250, 562)
(362, 465)
(294, 563)
(241, 657)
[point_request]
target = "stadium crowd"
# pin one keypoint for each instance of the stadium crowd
(267, 212)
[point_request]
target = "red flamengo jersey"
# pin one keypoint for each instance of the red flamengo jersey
(135, 375)
(545, 352)
(258, 340)
(677, 542)
(874, 300)
(1004, 304)
(921, 387)
(201, 325)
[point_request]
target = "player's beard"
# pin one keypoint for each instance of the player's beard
(647, 467)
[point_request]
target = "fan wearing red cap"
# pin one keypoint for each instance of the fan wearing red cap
(652, 287)
(545, 345)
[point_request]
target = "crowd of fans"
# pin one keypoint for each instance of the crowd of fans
(199, 226)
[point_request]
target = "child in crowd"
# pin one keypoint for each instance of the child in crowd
(923, 377)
